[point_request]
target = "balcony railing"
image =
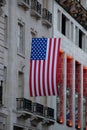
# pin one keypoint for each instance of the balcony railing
(36, 6)
(38, 109)
(47, 15)
(49, 112)
(24, 104)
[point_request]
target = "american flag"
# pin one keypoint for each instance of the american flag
(43, 66)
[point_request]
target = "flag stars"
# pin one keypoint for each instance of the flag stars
(39, 47)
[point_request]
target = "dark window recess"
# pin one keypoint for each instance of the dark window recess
(17, 128)
(80, 38)
(0, 94)
(63, 24)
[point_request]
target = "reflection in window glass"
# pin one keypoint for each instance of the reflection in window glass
(76, 110)
(58, 105)
(67, 106)
(84, 113)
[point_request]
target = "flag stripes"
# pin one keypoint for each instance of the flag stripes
(43, 80)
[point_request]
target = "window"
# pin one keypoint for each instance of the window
(65, 26)
(86, 44)
(18, 128)
(21, 45)
(58, 105)
(5, 29)
(20, 84)
(59, 20)
(71, 37)
(81, 39)
(1, 125)
(76, 110)
(84, 113)
(1, 93)
(5, 76)
(77, 36)
(67, 106)
(5, 83)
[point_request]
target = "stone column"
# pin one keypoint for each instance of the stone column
(12, 60)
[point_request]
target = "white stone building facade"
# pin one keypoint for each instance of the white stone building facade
(20, 21)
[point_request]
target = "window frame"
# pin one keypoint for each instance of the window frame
(21, 38)
(6, 30)
(20, 87)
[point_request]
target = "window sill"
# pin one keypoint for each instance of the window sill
(21, 55)
(5, 46)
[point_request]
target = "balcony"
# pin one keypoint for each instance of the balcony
(35, 9)
(38, 109)
(38, 113)
(49, 112)
(49, 116)
(76, 10)
(24, 108)
(2, 2)
(24, 3)
(47, 18)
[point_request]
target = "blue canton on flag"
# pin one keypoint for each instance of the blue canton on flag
(39, 47)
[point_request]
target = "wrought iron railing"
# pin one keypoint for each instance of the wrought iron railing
(35, 5)
(47, 15)
(49, 112)
(24, 104)
(38, 108)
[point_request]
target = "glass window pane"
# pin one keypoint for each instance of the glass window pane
(76, 110)
(84, 113)
(67, 106)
